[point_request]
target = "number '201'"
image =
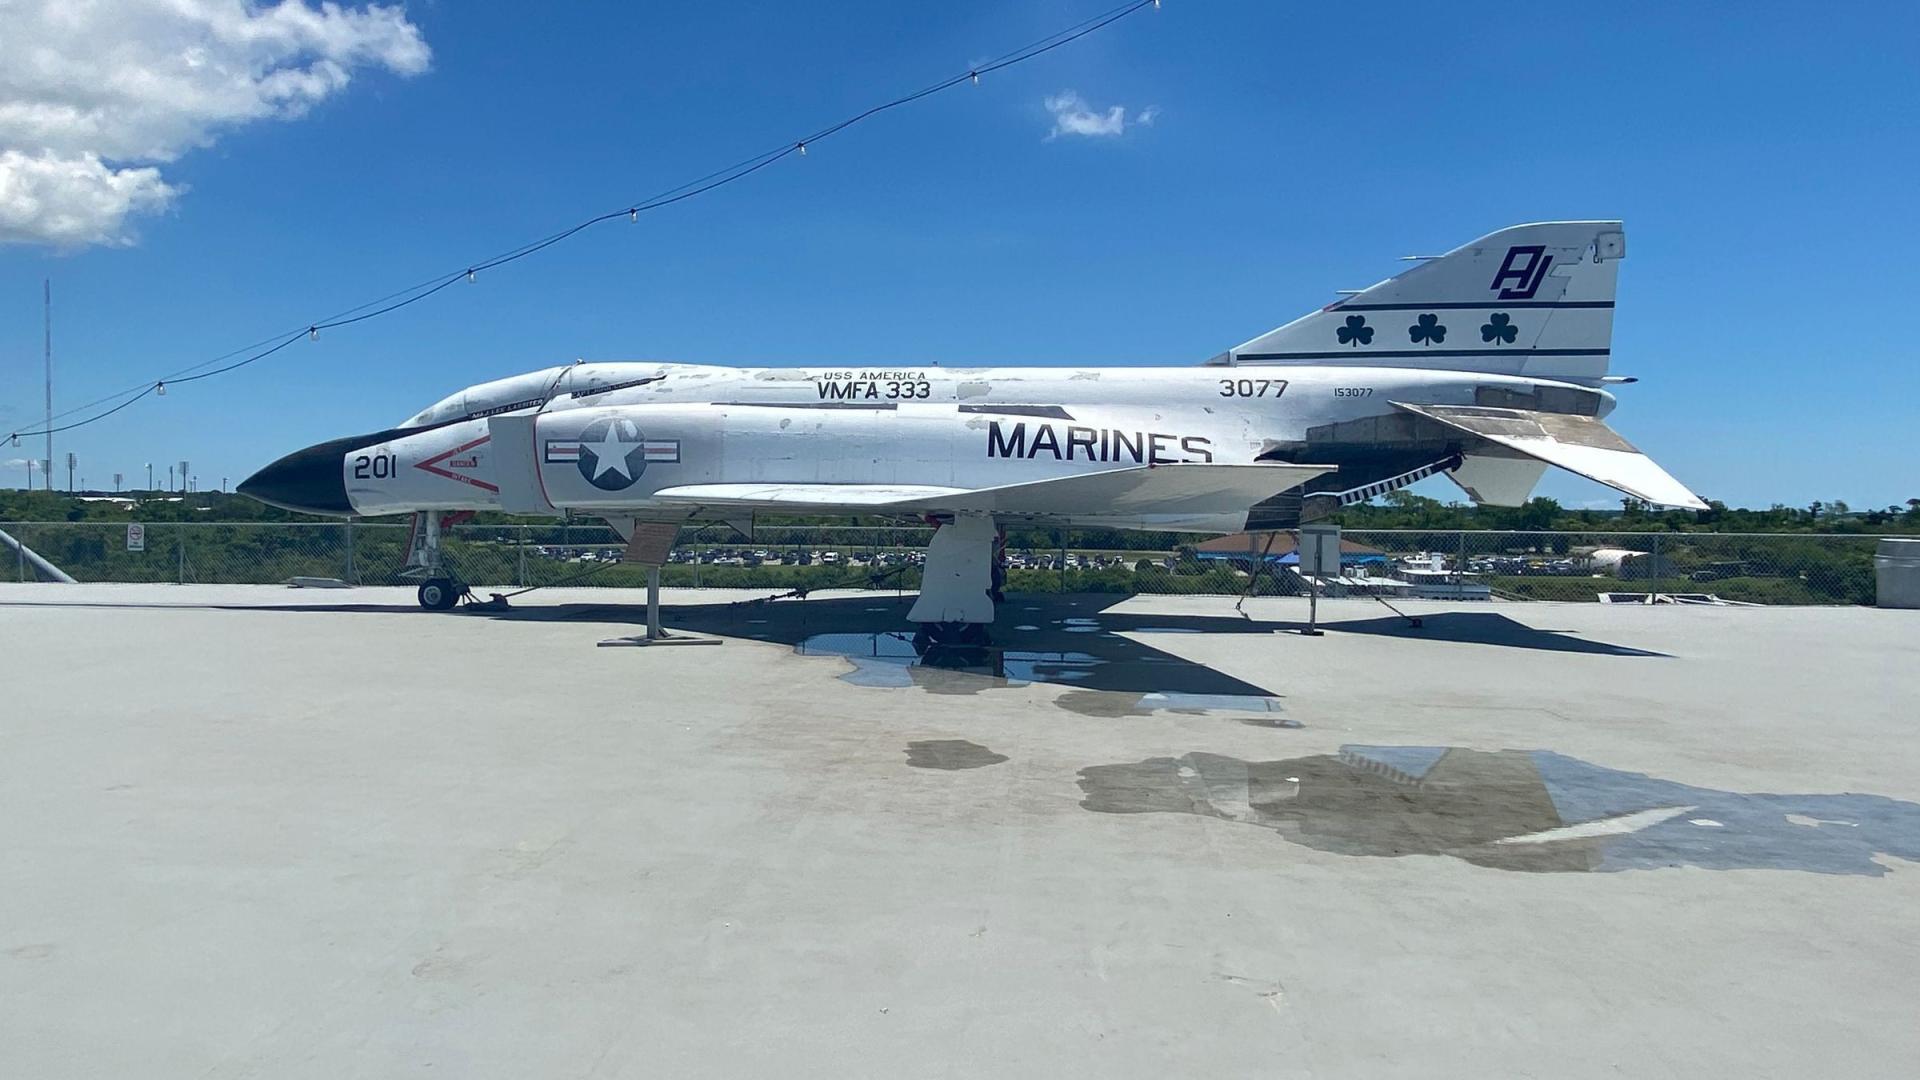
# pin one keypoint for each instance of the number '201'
(374, 467)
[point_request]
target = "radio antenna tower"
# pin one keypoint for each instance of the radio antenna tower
(46, 296)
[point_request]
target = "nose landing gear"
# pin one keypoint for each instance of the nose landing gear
(440, 591)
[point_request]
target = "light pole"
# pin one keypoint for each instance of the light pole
(169, 478)
(29, 474)
(71, 461)
(116, 483)
(149, 477)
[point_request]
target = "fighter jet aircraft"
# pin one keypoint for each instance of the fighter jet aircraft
(1486, 364)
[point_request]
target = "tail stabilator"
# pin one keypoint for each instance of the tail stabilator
(1515, 445)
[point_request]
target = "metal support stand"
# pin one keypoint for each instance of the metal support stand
(1323, 556)
(1260, 564)
(654, 633)
(1412, 620)
(650, 543)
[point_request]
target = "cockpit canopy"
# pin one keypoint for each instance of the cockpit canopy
(533, 389)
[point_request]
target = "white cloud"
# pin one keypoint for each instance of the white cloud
(73, 201)
(1073, 116)
(95, 94)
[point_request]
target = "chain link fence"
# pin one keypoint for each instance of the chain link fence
(1786, 568)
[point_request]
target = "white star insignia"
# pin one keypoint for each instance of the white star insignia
(609, 454)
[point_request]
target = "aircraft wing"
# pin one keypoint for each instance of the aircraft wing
(802, 498)
(1578, 444)
(1155, 489)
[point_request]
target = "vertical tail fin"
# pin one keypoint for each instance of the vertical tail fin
(1533, 300)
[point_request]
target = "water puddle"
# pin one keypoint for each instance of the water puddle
(1265, 711)
(894, 660)
(1527, 810)
(950, 754)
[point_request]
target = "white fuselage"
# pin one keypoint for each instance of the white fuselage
(946, 427)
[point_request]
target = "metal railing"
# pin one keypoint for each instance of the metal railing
(1775, 568)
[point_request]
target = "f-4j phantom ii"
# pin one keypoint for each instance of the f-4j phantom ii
(1486, 364)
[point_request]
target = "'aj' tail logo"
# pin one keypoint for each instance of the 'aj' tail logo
(1526, 275)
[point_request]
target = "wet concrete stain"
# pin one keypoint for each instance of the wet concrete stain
(1111, 704)
(950, 754)
(1525, 810)
(890, 660)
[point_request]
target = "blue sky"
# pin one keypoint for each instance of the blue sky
(1763, 163)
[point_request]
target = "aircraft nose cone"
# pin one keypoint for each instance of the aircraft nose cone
(308, 481)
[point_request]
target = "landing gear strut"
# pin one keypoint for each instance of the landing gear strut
(439, 592)
(958, 585)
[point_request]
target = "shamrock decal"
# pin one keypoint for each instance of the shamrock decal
(1499, 329)
(1427, 331)
(1356, 332)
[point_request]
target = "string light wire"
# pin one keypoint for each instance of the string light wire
(413, 294)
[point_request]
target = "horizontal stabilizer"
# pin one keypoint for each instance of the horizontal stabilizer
(1578, 444)
(1145, 489)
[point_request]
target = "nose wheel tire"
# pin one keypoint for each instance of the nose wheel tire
(439, 594)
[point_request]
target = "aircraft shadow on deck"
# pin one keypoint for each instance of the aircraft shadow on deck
(1074, 640)
(1071, 640)
(1067, 622)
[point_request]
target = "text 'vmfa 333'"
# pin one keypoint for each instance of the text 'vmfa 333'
(1486, 364)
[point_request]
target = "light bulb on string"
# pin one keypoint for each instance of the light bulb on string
(802, 147)
(160, 388)
(469, 275)
(313, 333)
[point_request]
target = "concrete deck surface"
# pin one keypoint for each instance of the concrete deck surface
(259, 832)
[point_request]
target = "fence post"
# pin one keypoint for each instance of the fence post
(521, 579)
(1659, 572)
(1460, 565)
(1061, 536)
(349, 528)
(180, 547)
